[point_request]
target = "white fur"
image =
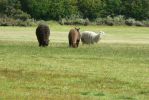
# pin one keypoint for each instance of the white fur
(89, 37)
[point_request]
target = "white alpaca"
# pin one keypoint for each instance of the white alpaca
(89, 37)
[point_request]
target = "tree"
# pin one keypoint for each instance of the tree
(49, 9)
(111, 8)
(55, 9)
(138, 9)
(89, 8)
(36, 8)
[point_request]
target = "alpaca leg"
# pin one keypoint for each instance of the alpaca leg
(70, 43)
(78, 42)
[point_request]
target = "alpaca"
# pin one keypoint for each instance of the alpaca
(89, 37)
(43, 34)
(74, 37)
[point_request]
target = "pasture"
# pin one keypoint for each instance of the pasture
(117, 68)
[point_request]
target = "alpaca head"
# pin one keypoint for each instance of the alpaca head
(99, 36)
(77, 29)
(101, 33)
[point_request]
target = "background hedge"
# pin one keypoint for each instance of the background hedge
(110, 12)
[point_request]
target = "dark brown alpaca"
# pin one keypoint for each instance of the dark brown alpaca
(74, 37)
(43, 33)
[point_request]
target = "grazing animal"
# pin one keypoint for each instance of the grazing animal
(74, 37)
(89, 37)
(43, 34)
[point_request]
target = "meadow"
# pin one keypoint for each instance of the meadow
(117, 68)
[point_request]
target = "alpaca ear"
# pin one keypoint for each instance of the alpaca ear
(77, 29)
(98, 34)
(102, 33)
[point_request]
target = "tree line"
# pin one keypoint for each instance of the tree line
(57, 9)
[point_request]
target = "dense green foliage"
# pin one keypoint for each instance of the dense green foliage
(90, 9)
(11, 13)
(12, 9)
(49, 9)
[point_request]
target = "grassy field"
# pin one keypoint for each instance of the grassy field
(117, 68)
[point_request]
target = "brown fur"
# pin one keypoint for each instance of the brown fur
(43, 34)
(74, 38)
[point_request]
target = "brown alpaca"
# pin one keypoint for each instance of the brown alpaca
(43, 33)
(74, 37)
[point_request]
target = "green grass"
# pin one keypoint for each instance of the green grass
(117, 68)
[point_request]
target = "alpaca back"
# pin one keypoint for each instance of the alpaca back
(87, 37)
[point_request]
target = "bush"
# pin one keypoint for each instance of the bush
(18, 14)
(146, 23)
(40, 22)
(87, 22)
(7, 21)
(130, 22)
(28, 22)
(109, 21)
(15, 22)
(62, 21)
(80, 21)
(119, 20)
(139, 23)
(74, 20)
(99, 21)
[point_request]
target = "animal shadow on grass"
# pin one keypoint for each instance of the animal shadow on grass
(93, 93)
(126, 98)
(144, 92)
